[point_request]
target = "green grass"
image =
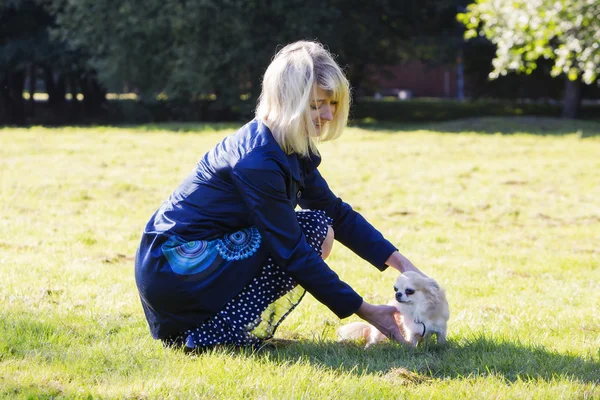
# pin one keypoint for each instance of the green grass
(504, 215)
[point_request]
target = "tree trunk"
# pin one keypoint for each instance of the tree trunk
(49, 82)
(61, 90)
(55, 89)
(74, 105)
(32, 84)
(94, 95)
(571, 98)
(16, 84)
(4, 99)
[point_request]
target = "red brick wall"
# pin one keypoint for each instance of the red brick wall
(422, 80)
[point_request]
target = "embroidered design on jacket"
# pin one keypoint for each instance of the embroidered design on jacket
(203, 257)
(239, 245)
(191, 258)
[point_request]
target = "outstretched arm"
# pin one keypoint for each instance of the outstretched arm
(262, 185)
(401, 263)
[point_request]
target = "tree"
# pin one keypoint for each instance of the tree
(385, 32)
(219, 49)
(23, 46)
(565, 31)
(185, 50)
(28, 53)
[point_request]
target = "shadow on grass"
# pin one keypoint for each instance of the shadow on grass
(473, 358)
(192, 127)
(178, 127)
(470, 358)
(540, 126)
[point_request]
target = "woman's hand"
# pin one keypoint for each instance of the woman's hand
(401, 263)
(382, 318)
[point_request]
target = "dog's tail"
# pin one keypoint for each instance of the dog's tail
(355, 331)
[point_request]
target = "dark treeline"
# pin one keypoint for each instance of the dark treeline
(30, 54)
(203, 60)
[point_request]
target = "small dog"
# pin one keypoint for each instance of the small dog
(423, 310)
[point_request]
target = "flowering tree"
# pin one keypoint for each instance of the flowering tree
(566, 31)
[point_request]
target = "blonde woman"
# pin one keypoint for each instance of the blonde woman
(227, 257)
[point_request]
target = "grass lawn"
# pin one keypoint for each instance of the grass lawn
(504, 213)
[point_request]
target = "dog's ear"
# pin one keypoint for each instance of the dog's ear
(430, 285)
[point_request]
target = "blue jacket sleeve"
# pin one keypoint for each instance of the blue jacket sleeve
(351, 229)
(262, 185)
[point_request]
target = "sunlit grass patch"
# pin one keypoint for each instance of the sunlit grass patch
(508, 223)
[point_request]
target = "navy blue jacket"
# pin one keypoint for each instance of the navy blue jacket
(247, 180)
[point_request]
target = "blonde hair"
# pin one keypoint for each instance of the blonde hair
(284, 103)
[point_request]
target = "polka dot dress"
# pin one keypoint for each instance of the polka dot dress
(255, 313)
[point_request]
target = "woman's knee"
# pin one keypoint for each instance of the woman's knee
(327, 243)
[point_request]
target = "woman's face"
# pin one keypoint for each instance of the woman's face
(322, 109)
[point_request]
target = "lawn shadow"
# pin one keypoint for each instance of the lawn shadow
(371, 125)
(188, 127)
(476, 357)
(470, 357)
(176, 127)
(539, 126)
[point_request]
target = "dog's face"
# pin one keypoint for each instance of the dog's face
(412, 287)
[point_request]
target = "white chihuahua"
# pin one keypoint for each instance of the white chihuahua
(423, 310)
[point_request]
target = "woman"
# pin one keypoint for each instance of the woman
(227, 257)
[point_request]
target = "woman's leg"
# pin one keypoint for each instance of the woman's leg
(327, 243)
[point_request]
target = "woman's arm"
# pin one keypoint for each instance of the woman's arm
(262, 186)
(401, 263)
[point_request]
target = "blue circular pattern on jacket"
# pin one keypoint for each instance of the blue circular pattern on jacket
(192, 249)
(190, 258)
(239, 245)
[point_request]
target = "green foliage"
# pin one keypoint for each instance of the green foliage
(30, 53)
(195, 49)
(188, 49)
(190, 52)
(567, 31)
(129, 42)
(23, 36)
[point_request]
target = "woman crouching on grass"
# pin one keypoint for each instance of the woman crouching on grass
(226, 258)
